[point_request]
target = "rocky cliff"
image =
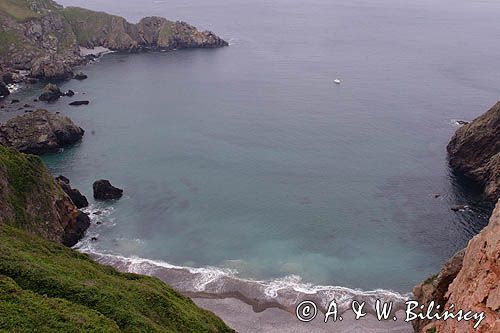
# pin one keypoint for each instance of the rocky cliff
(475, 287)
(32, 201)
(44, 38)
(474, 151)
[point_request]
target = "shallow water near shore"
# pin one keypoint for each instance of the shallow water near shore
(251, 160)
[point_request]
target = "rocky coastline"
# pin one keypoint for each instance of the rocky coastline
(43, 40)
(470, 279)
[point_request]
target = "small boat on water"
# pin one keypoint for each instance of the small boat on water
(337, 81)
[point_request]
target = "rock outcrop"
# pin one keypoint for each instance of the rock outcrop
(436, 287)
(50, 93)
(44, 38)
(477, 285)
(103, 190)
(474, 151)
(39, 132)
(30, 199)
(74, 194)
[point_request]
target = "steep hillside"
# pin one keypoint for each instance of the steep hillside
(32, 201)
(46, 286)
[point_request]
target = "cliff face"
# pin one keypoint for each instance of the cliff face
(32, 201)
(474, 151)
(44, 38)
(476, 287)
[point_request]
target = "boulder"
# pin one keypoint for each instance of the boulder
(103, 190)
(78, 199)
(4, 91)
(474, 151)
(40, 132)
(78, 103)
(50, 93)
(80, 76)
(69, 93)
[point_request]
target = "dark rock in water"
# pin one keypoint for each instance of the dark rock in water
(8, 78)
(35, 100)
(78, 199)
(14, 101)
(103, 190)
(94, 239)
(77, 103)
(462, 122)
(474, 151)
(4, 91)
(458, 208)
(75, 230)
(80, 76)
(39, 132)
(70, 93)
(27, 106)
(50, 93)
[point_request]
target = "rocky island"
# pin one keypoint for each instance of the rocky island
(42, 38)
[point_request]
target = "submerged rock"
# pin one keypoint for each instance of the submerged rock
(474, 151)
(50, 93)
(80, 76)
(78, 199)
(78, 103)
(39, 132)
(103, 190)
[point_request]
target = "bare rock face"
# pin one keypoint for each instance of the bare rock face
(474, 151)
(74, 194)
(51, 67)
(40, 132)
(30, 199)
(436, 287)
(477, 285)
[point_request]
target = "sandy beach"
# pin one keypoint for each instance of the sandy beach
(243, 319)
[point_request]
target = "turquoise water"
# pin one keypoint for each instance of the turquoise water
(249, 157)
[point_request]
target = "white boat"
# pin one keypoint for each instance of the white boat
(337, 81)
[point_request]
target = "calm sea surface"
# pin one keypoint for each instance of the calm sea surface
(250, 157)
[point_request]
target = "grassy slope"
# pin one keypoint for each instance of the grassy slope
(26, 174)
(44, 282)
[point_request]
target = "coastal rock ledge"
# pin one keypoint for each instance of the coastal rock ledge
(474, 151)
(39, 132)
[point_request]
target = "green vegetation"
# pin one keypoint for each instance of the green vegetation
(44, 283)
(88, 24)
(8, 38)
(18, 9)
(26, 175)
(430, 279)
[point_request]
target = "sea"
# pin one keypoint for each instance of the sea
(248, 171)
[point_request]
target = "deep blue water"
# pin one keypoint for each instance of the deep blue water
(249, 157)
